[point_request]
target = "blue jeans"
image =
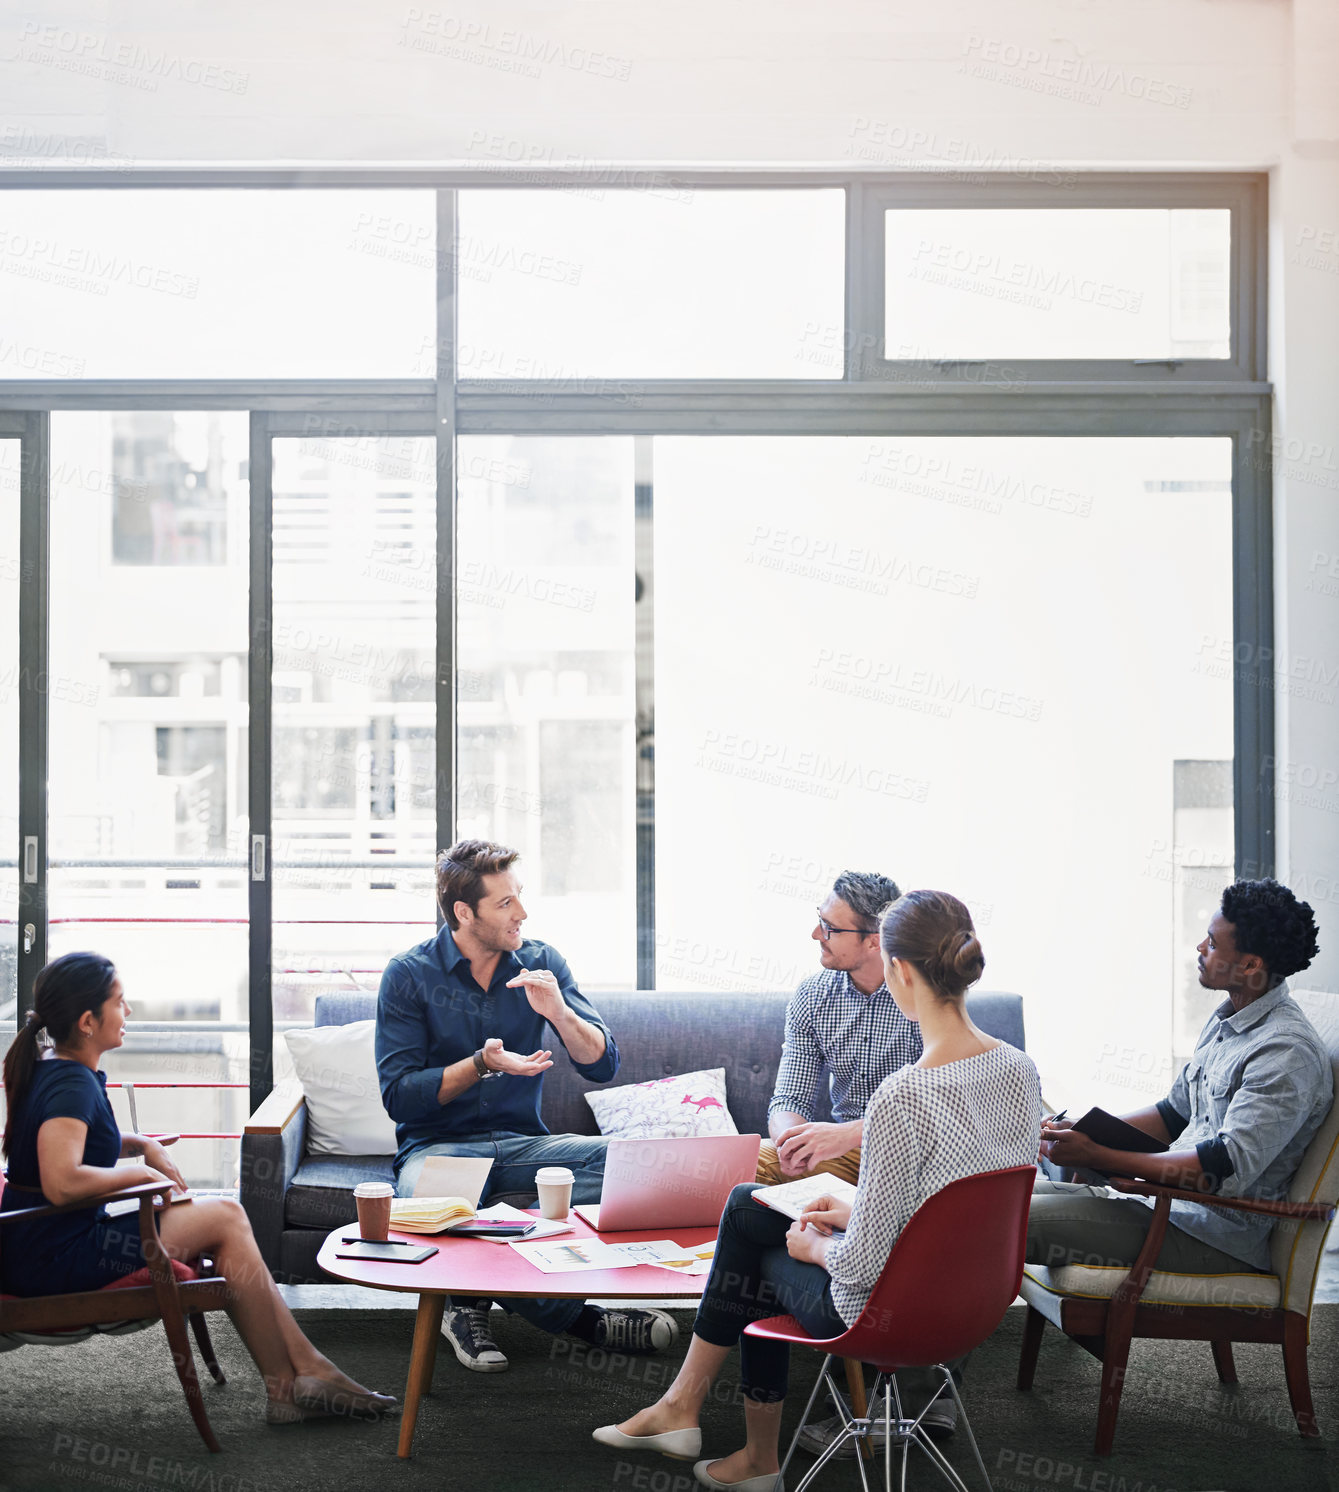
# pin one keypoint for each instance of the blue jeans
(515, 1159)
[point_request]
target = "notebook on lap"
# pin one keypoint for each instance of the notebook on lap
(680, 1183)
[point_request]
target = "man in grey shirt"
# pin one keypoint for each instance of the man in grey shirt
(1240, 1114)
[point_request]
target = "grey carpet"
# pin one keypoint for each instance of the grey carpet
(109, 1414)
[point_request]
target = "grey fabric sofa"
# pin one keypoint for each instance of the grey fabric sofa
(294, 1199)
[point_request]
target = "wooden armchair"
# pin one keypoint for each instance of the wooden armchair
(1103, 1309)
(165, 1291)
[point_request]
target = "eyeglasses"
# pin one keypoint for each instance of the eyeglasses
(826, 929)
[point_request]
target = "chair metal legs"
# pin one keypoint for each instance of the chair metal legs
(897, 1426)
(852, 1428)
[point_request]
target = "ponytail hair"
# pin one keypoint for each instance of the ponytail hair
(933, 932)
(66, 988)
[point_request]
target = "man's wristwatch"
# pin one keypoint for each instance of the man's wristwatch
(483, 1069)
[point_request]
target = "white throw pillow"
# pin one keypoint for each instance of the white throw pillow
(338, 1072)
(665, 1108)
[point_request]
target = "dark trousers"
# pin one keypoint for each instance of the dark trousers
(753, 1277)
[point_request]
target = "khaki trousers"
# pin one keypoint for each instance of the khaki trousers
(770, 1174)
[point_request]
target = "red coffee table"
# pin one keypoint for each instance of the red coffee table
(474, 1266)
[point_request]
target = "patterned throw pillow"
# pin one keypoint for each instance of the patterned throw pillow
(665, 1108)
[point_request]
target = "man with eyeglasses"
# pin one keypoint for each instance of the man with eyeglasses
(842, 1018)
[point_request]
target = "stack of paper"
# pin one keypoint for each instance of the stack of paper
(504, 1212)
(428, 1214)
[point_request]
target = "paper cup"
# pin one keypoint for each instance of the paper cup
(374, 1209)
(554, 1185)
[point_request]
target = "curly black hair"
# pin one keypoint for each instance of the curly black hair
(1270, 921)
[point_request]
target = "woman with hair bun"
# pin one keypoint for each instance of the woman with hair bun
(63, 1144)
(971, 1104)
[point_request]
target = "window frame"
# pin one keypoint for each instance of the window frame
(1202, 397)
(1241, 195)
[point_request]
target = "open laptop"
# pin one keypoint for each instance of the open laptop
(681, 1183)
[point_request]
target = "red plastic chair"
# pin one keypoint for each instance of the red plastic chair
(953, 1272)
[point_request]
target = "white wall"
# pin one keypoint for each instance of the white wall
(992, 84)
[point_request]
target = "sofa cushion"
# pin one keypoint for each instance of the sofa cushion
(693, 1103)
(1043, 1287)
(337, 1068)
(321, 1194)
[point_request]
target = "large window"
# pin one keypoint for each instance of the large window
(353, 796)
(216, 284)
(547, 668)
(1058, 282)
(667, 283)
(698, 536)
(148, 745)
(979, 665)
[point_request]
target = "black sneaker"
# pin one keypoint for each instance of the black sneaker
(466, 1328)
(636, 1331)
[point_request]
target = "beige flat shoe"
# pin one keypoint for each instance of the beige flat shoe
(771, 1482)
(680, 1445)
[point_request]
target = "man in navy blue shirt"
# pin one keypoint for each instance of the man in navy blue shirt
(461, 1023)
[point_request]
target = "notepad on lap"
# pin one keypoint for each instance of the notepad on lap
(792, 1197)
(1106, 1129)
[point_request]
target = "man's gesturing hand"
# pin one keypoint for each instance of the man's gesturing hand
(500, 1059)
(541, 989)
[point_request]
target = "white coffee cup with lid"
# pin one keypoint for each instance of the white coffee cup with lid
(554, 1185)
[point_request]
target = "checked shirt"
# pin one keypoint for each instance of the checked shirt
(859, 1038)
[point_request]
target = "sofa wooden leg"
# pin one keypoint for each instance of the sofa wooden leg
(1033, 1328)
(1222, 1360)
(1295, 1370)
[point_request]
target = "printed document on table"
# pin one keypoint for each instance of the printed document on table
(590, 1253)
(690, 1260)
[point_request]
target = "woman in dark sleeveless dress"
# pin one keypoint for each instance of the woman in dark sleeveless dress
(63, 1145)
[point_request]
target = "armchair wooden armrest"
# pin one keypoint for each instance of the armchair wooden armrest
(148, 1189)
(1304, 1211)
(276, 1112)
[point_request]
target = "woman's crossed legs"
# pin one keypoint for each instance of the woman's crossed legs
(296, 1375)
(752, 1277)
